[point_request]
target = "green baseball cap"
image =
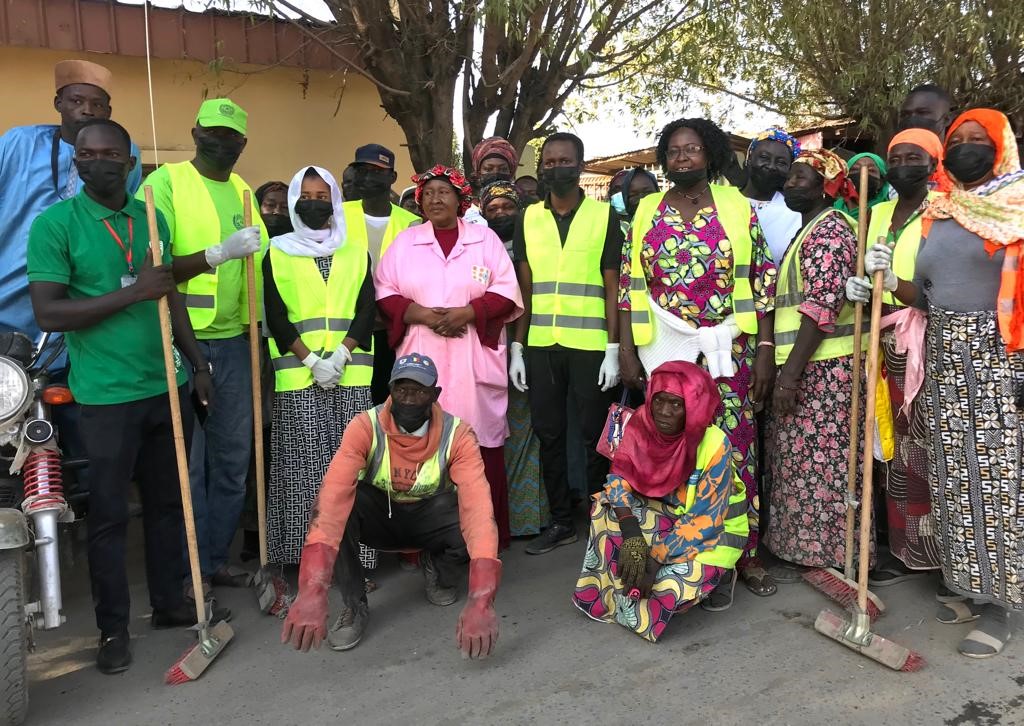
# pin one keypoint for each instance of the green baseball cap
(222, 112)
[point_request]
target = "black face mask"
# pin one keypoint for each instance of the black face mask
(370, 184)
(909, 179)
(801, 200)
(915, 121)
(503, 226)
(561, 180)
(314, 213)
(410, 417)
(970, 162)
(688, 178)
(103, 176)
(767, 180)
(277, 224)
(219, 153)
(874, 186)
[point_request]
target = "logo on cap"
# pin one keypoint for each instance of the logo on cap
(384, 158)
(227, 109)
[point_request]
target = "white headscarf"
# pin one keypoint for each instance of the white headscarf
(306, 242)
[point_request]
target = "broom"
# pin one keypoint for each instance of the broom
(271, 589)
(857, 634)
(841, 586)
(196, 659)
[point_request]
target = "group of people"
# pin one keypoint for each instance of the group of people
(440, 357)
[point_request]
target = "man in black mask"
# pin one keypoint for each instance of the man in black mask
(928, 107)
(202, 202)
(567, 251)
(769, 158)
(373, 221)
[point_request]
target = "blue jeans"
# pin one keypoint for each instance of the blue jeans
(219, 465)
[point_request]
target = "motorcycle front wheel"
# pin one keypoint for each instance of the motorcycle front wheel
(13, 639)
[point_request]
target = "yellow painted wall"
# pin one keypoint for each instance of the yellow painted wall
(296, 117)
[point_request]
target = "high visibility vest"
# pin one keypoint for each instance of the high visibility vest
(734, 215)
(733, 539)
(355, 224)
(197, 227)
(322, 313)
(904, 254)
(568, 286)
(432, 477)
(789, 294)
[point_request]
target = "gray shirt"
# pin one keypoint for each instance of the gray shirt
(954, 271)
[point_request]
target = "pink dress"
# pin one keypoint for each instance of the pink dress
(473, 378)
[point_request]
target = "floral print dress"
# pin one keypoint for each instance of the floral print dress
(688, 266)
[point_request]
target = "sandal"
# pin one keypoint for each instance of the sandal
(944, 594)
(956, 612)
(787, 574)
(758, 581)
(720, 599)
(229, 576)
(989, 636)
(891, 574)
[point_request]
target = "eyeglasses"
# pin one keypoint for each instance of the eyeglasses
(689, 150)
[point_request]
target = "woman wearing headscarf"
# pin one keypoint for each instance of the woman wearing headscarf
(967, 275)
(494, 159)
(320, 310)
(672, 520)
(914, 155)
(634, 185)
(769, 158)
(272, 197)
(878, 185)
(698, 281)
(446, 290)
(809, 421)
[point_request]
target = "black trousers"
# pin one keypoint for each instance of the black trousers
(553, 372)
(383, 362)
(431, 525)
(129, 441)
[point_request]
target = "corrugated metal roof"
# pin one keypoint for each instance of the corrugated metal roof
(105, 26)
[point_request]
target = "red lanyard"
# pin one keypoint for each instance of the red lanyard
(127, 250)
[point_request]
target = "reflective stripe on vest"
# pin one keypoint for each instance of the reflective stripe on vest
(322, 313)
(355, 225)
(432, 477)
(904, 254)
(196, 227)
(734, 214)
(790, 295)
(736, 528)
(568, 285)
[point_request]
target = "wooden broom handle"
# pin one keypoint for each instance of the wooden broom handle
(257, 388)
(179, 431)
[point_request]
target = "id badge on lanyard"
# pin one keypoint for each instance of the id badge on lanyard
(131, 278)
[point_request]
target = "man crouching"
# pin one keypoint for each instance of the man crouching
(408, 476)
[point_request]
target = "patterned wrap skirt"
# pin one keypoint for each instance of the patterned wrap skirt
(975, 458)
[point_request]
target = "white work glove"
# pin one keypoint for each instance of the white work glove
(517, 368)
(879, 257)
(341, 358)
(608, 376)
(716, 346)
(239, 244)
(323, 371)
(858, 289)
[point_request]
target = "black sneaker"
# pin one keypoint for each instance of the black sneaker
(348, 629)
(437, 594)
(185, 616)
(554, 536)
(114, 655)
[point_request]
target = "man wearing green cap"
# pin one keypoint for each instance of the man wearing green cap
(202, 202)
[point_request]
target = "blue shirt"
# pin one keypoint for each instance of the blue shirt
(26, 189)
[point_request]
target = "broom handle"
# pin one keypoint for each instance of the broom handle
(257, 388)
(858, 325)
(179, 431)
(869, 442)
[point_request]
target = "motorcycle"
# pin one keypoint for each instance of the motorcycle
(33, 507)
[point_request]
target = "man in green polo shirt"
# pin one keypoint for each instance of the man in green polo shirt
(202, 201)
(91, 276)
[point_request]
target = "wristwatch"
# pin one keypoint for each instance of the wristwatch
(209, 368)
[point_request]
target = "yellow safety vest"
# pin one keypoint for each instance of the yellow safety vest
(734, 215)
(737, 525)
(432, 477)
(355, 224)
(904, 254)
(789, 295)
(196, 227)
(568, 285)
(322, 313)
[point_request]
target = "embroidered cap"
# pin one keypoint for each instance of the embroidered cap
(222, 112)
(415, 367)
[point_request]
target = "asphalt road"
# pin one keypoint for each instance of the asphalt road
(759, 663)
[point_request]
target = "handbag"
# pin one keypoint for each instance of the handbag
(614, 426)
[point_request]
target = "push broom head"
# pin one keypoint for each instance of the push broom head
(836, 587)
(872, 645)
(196, 659)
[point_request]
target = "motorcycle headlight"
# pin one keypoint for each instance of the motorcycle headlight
(14, 390)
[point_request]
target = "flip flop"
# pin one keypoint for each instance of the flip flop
(787, 574)
(956, 612)
(891, 575)
(986, 640)
(720, 599)
(758, 581)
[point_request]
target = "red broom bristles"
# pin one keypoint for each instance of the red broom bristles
(839, 590)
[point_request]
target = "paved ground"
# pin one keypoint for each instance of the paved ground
(759, 663)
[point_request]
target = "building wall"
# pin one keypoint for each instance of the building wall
(296, 117)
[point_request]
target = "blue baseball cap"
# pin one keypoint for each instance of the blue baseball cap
(377, 155)
(415, 367)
